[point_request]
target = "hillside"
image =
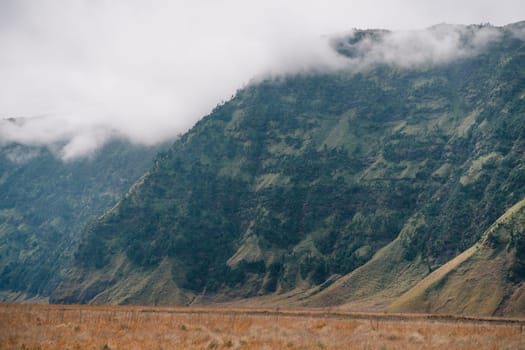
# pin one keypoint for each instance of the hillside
(485, 279)
(351, 185)
(45, 202)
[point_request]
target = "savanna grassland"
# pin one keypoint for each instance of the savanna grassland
(131, 327)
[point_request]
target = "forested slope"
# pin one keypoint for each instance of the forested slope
(304, 180)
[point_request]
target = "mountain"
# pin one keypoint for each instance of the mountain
(45, 202)
(340, 188)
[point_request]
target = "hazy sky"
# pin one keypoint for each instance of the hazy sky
(82, 71)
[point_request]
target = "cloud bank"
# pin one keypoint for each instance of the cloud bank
(76, 73)
(438, 44)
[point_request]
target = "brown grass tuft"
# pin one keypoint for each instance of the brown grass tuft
(107, 327)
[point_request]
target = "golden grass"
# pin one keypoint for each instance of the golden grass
(424, 285)
(474, 281)
(110, 327)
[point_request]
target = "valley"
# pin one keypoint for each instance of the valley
(380, 186)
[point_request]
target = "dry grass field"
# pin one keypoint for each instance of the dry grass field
(110, 327)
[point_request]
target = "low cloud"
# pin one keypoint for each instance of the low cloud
(438, 44)
(76, 73)
(20, 154)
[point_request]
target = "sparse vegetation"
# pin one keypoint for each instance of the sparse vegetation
(100, 327)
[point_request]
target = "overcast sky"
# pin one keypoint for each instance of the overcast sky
(82, 71)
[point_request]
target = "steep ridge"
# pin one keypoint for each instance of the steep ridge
(332, 186)
(486, 279)
(376, 284)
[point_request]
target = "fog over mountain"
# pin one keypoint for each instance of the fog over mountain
(75, 73)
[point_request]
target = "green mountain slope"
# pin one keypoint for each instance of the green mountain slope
(45, 202)
(299, 181)
(485, 279)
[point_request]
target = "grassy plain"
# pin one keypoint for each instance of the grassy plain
(132, 327)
